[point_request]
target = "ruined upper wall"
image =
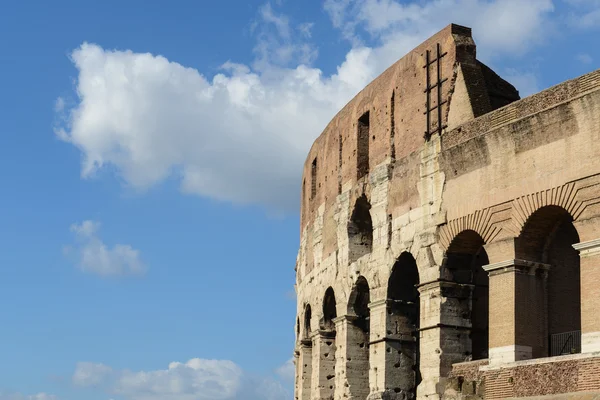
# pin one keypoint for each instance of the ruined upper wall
(396, 103)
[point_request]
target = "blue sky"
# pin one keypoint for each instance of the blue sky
(151, 164)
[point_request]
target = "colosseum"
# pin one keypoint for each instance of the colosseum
(450, 237)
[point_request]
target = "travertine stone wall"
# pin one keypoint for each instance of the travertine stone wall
(489, 177)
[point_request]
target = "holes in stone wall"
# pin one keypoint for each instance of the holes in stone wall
(360, 230)
(358, 364)
(465, 259)
(362, 147)
(404, 322)
(327, 345)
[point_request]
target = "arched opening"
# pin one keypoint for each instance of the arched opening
(465, 259)
(403, 326)
(329, 311)
(548, 237)
(298, 328)
(305, 360)
(327, 347)
(307, 318)
(360, 230)
(357, 360)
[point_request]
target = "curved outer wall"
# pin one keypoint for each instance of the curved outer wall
(493, 163)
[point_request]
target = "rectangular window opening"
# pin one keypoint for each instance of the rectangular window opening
(362, 150)
(313, 181)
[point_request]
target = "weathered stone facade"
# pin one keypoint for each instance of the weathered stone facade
(450, 236)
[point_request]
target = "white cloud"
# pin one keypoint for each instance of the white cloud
(287, 371)
(196, 379)
(19, 396)
(91, 374)
(59, 105)
(584, 58)
(585, 14)
(94, 256)
(242, 136)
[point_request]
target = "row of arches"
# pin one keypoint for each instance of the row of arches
(547, 237)
(403, 327)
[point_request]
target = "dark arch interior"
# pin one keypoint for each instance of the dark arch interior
(465, 259)
(307, 318)
(360, 229)
(548, 237)
(403, 310)
(329, 310)
(358, 366)
(360, 299)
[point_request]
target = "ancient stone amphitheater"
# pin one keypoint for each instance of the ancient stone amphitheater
(450, 237)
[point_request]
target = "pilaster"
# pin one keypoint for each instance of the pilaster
(303, 358)
(392, 354)
(352, 359)
(589, 253)
(518, 310)
(323, 365)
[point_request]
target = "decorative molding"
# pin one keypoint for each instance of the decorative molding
(589, 82)
(589, 248)
(503, 116)
(377, 303)
(515, 263)
(509, 218)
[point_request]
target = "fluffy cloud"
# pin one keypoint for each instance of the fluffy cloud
(93, 256)
(287, 371)
(19, 396)
(242, 135)
(196, 379)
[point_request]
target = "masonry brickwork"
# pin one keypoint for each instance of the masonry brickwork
(450, 237)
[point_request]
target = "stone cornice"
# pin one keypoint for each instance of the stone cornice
(377, 303)
(588, 248)
(342, 318)
(515, 264)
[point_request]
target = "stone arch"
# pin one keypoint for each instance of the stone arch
(403, 313)
(329, 310)
(326, 349)
(481, 221)
(307, 320)
(305, 360)
(463, 266)
(358, 328)
(547, 237)
(360, 229)
(564, 197)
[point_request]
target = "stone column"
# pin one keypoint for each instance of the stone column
(444, 333)
(352, 360)
(518, 311)
(392, 356)
(304, 370)
(323, 365)
(589, 253)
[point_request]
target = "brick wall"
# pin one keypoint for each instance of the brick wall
(547, 378)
